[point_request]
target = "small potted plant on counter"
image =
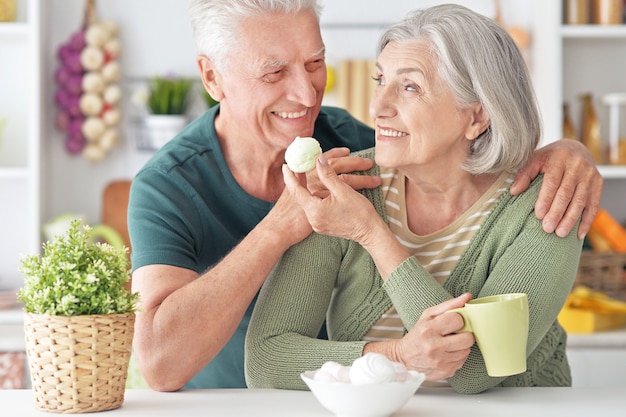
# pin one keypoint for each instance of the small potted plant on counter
(79, 322)
(167, 102)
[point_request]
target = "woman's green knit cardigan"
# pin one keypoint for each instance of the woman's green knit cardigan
(332, 279)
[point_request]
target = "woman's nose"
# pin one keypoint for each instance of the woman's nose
(381, 103)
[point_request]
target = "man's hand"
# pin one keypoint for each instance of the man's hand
(572, 185)
(343, 164)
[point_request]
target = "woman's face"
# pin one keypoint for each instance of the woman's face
(418, 121)
(274, 85)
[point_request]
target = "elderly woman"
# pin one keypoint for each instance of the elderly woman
(455, 118)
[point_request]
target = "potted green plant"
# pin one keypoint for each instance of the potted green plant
(79, 322)
(167, 102)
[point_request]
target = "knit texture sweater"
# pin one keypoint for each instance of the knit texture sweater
(335, 279)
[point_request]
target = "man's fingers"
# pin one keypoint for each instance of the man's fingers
(295, 183)
(526, 175)
(336, 153)
(554, 198)
(359, 182)
(348, 164)
(586, 201)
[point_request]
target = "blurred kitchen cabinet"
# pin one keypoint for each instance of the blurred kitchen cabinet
(14, 371)
(569, 60)
(598, 359)
(20, 133)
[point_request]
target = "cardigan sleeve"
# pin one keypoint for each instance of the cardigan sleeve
(281, 341)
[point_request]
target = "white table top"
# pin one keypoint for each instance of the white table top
(427, 402)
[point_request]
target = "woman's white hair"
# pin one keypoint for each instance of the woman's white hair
(481, 63)
(215, 23)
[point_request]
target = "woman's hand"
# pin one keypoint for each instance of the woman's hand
(571, 185)
(431, 346)
(287, 217)
(332, 206)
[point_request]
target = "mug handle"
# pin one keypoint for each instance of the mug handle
(466, 322)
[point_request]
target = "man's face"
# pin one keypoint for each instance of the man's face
(274, 82)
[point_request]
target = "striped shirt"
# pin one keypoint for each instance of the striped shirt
(437, 252)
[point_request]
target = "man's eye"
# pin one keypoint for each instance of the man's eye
(379, 79)
(315, 65)
(273, 76)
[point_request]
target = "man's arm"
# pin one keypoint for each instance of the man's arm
(572, 185)
(173, 339)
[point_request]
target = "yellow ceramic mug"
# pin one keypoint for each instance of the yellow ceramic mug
(500, 327)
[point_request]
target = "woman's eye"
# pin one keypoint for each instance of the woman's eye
(378, 79)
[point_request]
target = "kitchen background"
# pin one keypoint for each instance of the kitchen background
(40, 179)
(156, 39)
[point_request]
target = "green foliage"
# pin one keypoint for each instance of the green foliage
(77, 276)
(169, 95)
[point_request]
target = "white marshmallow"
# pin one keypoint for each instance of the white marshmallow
(372, 368)
(301, 154)
(339, 372)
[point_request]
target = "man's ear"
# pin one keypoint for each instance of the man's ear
(211, 78)
(479, 122)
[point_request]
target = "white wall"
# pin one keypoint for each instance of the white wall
(156, 39)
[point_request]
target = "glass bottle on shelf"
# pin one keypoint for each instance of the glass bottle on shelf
(576, 12)
(569, 132)
(608, 12)
(590, 130)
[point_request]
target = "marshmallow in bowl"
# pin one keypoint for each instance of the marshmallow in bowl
(333, 372)
(372, 368)
(301, 154)
(401, 373)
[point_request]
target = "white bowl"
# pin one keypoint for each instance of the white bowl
(370, 400)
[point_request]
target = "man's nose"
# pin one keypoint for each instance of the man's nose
(302, 89)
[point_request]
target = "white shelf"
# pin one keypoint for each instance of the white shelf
(613, 171)
(593, 31)
(14, 173)
(14, 29)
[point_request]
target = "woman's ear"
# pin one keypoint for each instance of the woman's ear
(211, 78)
(479, 122)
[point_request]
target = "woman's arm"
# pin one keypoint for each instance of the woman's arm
(281, 340)
(505, 260)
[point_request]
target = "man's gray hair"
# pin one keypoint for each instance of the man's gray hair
(215, 23)
(481, 63)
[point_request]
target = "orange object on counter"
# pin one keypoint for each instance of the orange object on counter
(611, 230)
(598, 242)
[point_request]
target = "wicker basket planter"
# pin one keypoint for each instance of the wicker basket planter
(78, 364)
